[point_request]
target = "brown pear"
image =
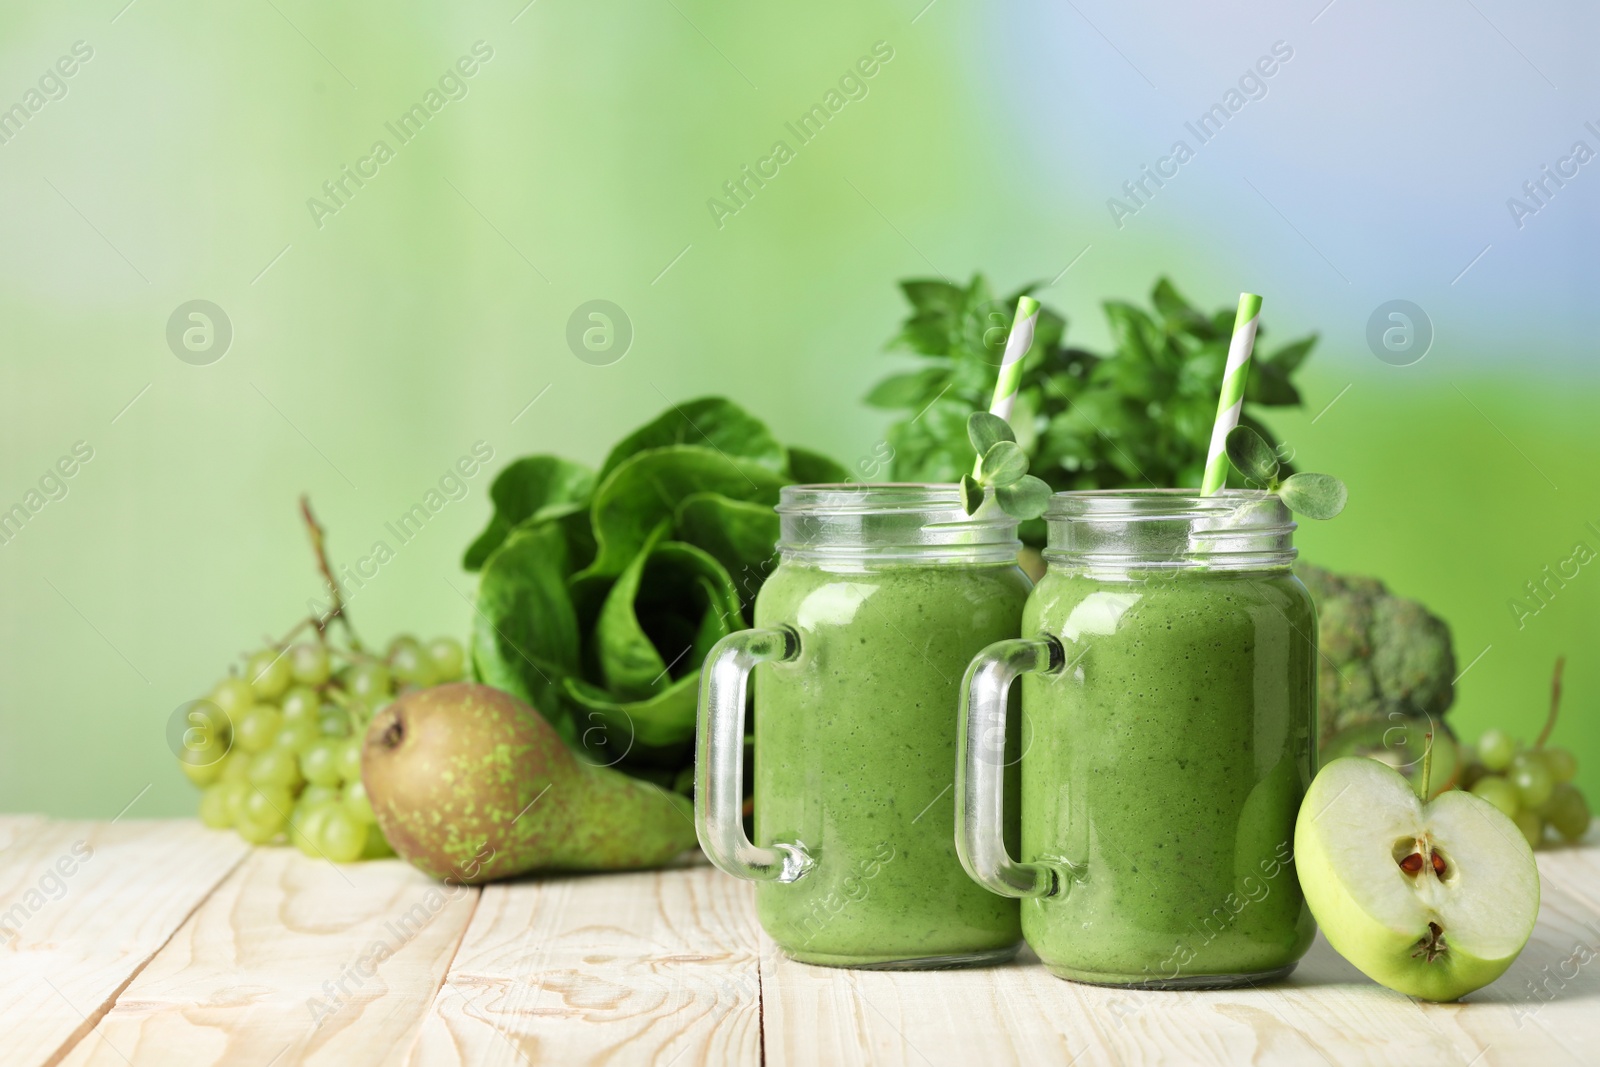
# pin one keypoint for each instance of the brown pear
(470, 784)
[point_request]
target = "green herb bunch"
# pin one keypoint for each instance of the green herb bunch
(1139, 415)
(600, 592)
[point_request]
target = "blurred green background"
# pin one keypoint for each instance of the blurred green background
(374, 345)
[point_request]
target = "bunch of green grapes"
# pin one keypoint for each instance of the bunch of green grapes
(276, 749)
(1532, 785)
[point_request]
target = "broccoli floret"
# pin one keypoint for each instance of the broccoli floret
(1380, 653)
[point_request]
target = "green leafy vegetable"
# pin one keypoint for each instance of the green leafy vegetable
(531, 486)
(525, 631)
(1316, 496)
(1138, 415)
(662, 721)
(645, 489)
(712, 423)
(813, 468)
(599, 596)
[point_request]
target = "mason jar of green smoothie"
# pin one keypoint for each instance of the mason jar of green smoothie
(881, 596)
(1168, 664)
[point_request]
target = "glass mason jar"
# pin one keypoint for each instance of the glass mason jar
(1169, 661)
(882, 595)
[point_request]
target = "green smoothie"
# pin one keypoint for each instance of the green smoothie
(855, 758)
(1166, 766)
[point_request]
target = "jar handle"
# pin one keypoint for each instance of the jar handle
(719, 758)
(981, 764)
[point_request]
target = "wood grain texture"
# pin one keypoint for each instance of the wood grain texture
(291, 960)
(649, 968)
(13, 827)
(82, 907)
(1545, 1009)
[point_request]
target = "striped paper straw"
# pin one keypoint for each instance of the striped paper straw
(1231, 401)
(1017, 345)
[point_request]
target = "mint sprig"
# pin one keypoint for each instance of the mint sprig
(1316, 496)
(1003, 467)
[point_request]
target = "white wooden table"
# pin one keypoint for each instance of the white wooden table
(166, 943)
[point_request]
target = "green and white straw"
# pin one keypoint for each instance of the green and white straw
(1017, 345)
(1231, 400)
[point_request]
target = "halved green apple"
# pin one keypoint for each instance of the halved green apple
(1431, 899)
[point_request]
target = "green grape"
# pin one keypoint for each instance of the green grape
(259, 728)
(448, 659)
(268, 805)
(412, 665)
(1531, 825)
(350, 760)
(298, 736)
(236, 768)
(341, 839)
(305, 824)
(359, 712)
(301, 705)
(320, 794)
(201, 770)
(275, 768)
(320, 764)
(1562, 763)
(1532, 779)
(402, 641)
(204, 765)
(234, 795)
(205, 723)
(369, 681)
(1566, 810)
(308, 663)
(1495, 749)
(357, 805)
(1496, 790)
(333, 721)
(214, 807)
(234, 696)
(268, 672)
(258, 833)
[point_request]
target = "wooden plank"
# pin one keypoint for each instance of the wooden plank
(14, 827)
(84, 906)
(645, 968)
(291, 960)
(1543, 1010)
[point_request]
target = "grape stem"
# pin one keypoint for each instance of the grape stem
(319, 547)
(1555, 703)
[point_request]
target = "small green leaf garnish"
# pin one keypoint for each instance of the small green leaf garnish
(1316, 496)
(1251, 456)
(1003, 468)
(1024, 498)
(985, 430)
(971, 494)
(1004, 463)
